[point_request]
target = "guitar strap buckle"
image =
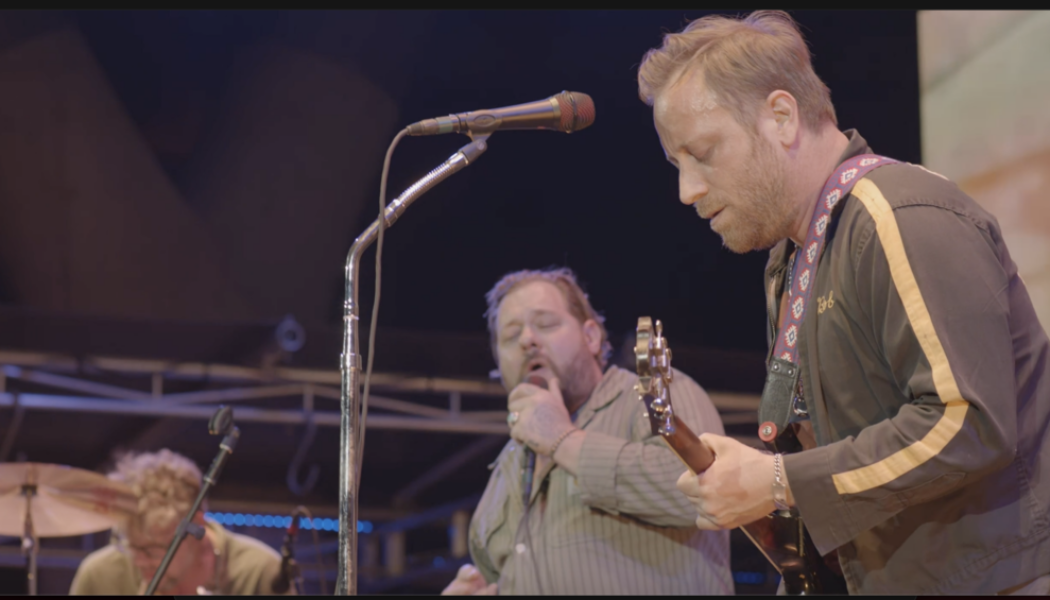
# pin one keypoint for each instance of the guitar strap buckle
(798, 405)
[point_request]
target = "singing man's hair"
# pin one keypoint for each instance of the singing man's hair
(565, 280)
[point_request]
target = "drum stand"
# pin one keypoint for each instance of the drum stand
(30, 544)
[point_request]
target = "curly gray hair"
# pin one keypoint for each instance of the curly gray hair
(165, 483)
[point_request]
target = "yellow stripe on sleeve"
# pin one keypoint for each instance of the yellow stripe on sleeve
(907, 459)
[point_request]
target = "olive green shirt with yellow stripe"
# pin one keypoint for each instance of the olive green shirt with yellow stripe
(925, 373)
(620, 526)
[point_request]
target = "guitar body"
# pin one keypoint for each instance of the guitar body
(780, 536)
(800, 564)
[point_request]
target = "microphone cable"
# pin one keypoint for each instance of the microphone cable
(524, 522)
(375, 308)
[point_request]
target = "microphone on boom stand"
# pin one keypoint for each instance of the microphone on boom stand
(566, 112)
(220, 424)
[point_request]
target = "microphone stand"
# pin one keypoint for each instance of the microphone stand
(289, 566)
(350, 360)
(290, 570)
(220, 424)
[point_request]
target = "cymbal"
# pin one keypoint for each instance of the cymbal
(67, 501)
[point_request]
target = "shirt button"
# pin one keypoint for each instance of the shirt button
(520, 548)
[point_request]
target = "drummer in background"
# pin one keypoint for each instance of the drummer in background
(220, 563)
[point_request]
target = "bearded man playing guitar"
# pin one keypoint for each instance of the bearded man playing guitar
(907, 401)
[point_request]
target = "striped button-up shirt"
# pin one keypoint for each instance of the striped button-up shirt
(620, 526)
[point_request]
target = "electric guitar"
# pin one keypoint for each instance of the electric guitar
(780, 536)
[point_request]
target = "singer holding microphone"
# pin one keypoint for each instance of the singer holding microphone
(604, 515)
(220, 563)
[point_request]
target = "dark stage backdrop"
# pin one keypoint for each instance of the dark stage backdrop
(223, 161)
(173, 183)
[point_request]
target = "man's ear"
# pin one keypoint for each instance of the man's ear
(782, 107)
(592, 334)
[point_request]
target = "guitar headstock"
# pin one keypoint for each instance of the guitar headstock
(653, 362)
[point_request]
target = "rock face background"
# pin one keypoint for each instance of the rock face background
(985, 88)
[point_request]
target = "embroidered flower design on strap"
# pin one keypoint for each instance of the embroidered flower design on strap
(782, 401)
(804, 274)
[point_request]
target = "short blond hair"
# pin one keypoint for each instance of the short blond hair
(165, 483)
(743, 60)
(565, 280)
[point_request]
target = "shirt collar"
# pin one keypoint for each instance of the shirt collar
(609, 388)
(779, 254)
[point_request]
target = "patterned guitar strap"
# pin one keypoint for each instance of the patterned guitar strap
(783, 402)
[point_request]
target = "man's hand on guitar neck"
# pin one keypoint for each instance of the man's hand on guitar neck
(736, 489)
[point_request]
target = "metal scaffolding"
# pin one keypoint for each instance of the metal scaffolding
(72, 374)
(139, 387)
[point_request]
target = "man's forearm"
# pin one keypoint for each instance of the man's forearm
(567, 454)
(633, 478)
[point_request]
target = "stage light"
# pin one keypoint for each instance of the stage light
(749, 578)
(281, 522)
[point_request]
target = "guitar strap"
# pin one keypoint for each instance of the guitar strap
(782, 401)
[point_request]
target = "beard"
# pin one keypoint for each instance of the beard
(760, 214)
(578, 383)
(575, 377)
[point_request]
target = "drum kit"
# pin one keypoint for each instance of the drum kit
(39, 500)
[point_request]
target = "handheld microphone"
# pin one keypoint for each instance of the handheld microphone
(567, 112)
(289, 569)
(530, 456)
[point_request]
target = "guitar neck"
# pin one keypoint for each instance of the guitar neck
(781, 537)
(688, 447)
